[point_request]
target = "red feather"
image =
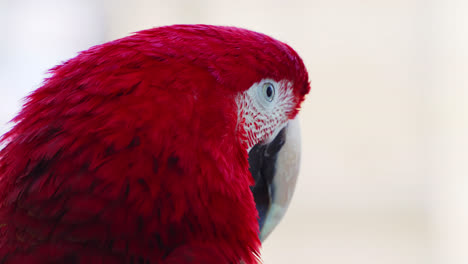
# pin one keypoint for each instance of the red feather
(131, 152)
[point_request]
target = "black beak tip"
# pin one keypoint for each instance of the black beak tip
(262, 161)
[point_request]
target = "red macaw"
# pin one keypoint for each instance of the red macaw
(161, 147)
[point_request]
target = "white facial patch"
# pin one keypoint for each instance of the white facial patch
(263, 112)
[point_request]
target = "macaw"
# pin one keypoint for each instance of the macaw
(174, 145)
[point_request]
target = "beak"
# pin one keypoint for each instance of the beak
(275, 167)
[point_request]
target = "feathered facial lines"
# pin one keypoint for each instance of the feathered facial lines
(264, 109)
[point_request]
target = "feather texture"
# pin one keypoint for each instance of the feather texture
(131, 152)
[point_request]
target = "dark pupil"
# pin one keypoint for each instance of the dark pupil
(269, 91)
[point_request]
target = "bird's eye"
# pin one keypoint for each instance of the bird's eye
(269, 91)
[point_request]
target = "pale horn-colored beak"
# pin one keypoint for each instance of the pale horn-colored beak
(275, 167)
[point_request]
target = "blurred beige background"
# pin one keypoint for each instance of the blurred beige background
(384, 172)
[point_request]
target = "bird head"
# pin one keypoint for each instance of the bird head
(267, 81)
(178, 128)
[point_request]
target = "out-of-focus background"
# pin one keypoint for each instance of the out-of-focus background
(384, 171)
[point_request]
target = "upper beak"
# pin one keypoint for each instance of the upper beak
(275, 167)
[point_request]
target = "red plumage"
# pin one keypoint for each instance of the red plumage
(132, 151)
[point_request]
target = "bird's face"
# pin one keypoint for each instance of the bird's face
(259, 81)
(267, 114)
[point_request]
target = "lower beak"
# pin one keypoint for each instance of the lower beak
(275, 167)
